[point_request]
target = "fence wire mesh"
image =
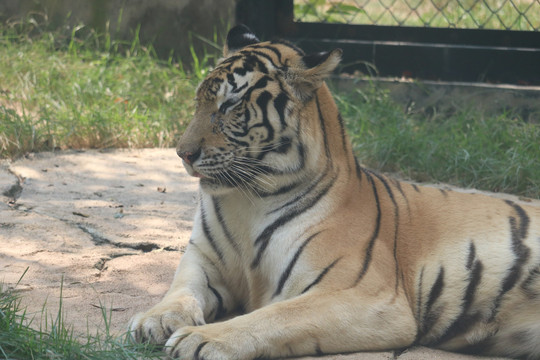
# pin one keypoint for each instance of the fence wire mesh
(468, 14)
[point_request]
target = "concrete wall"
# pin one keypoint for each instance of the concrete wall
(164, 23)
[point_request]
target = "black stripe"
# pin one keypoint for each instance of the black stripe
(397, 184)
(280, 103)
(198, 351)
(416, 188)
(203, 254)
(430, 318)
(260, 84)
(269, 48)
(302, 154)
(518, 234)
(419, 297)
(269, 170)
(262, 101)
(523, 223)
(276, 51)
(240, 129)
(226, 232)
(237, 90)
(344, 141)
(282, 190)
(252, 53)
(358, 169)
(318, 350)
(208, 235)
(302, 195)
(211, 86)
(472, 256)
(436, 290)
(480, 348)
(242, 71)
(396, 223)
(527, 284)
(229, 62)
(231, 81)
(251, 62)
(465, 321)
(321, 275)
(299, 51)
(374, 235)
(264, 238)
(405, 287)
(287, 273)
(234, 139)
(323, 128)
(221, 311)
(281, 147)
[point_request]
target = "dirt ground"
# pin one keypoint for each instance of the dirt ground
(108, 228)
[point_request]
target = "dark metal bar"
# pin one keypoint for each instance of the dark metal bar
(476, 55)
(480, 37)
(434, 61)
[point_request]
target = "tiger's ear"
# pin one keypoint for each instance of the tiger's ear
(238, 37)
(309, 74)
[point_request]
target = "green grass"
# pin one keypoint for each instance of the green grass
(27, 337)
(466, 148)
(82, 90)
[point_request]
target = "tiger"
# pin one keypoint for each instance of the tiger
(297, 249)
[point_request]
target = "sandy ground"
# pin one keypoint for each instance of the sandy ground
(108, 227)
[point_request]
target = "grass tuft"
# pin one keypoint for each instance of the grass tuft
(21, 338)
(467, 148)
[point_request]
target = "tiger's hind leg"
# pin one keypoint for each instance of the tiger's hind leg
(519, 334)
(316, 323)
(514, 333)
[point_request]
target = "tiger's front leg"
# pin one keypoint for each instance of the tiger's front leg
(312, 324)
(195, 297)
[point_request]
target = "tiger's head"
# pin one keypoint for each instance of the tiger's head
(247, 128)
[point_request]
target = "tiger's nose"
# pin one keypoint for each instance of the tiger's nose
(189, 156)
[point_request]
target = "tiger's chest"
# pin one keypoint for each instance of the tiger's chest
(259, 246)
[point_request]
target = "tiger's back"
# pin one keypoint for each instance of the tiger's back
(321, 254)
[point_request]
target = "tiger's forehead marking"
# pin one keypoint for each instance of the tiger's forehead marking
(233, 74)
(224, 84)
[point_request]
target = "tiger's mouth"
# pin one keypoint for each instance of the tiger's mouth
(236, 175)
(198, 175)
(218, 179)
(191, 171)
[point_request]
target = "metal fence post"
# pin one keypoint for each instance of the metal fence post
(267, 18)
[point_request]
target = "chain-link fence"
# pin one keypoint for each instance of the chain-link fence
(467, 14)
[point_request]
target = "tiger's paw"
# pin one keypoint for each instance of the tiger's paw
(209, 342)
(160, 322)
